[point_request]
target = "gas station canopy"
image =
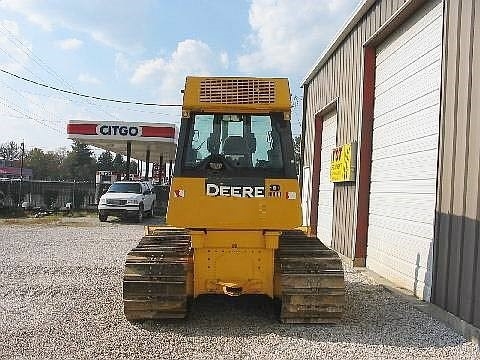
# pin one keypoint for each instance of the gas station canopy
(158, 140)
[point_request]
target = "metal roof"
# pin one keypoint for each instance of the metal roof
(361, 10)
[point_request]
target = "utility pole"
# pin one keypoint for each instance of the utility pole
(73, 195)
(22, 147)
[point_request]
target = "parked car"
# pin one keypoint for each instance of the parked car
(127, 199)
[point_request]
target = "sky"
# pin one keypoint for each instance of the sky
(142, 51)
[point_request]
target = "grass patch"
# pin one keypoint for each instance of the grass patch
(77, 213)
(45, 220)
(74, 218)
(13, 212)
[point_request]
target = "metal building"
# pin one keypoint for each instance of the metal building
(399, 89)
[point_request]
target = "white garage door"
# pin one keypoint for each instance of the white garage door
(404, 157)
(306, 195)
(325, 190)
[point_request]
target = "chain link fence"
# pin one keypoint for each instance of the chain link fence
(54, 195)
(47, 194)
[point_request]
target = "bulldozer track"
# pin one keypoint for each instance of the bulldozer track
(156, 276)
(158, 271)
(311, 280)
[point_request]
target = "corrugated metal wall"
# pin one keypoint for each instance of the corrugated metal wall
(457, 243)
(342, 77)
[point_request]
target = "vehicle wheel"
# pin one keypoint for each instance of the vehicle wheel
(102, 217)
(151, 213)
(140, 214)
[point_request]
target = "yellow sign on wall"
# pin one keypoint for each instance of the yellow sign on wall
(343, 163)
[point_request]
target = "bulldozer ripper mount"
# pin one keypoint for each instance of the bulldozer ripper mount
(234, 212)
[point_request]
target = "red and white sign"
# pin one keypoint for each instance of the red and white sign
(157, 139)
(120, 130)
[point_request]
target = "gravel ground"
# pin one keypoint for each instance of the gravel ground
(61, 298)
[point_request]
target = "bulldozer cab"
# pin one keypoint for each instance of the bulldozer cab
(235, 157)
(239, 145)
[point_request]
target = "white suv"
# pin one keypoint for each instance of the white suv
(127, 199)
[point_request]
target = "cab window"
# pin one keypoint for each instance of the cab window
(245, 141)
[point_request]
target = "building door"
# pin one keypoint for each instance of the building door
(306, 195)
(325, 189)
(404, 152)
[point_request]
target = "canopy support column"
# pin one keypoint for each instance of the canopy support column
(129, 154)
(147, 164)
(160, 170)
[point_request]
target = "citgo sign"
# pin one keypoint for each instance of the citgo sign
(119, 130)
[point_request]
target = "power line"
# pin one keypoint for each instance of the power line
(26, 50)
(85, 95)
(40, 78)
(110, 106)
(29, 100)
(27, 116)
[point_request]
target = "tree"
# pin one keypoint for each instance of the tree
(117, 164)
(10, 151)
(133, 167)
(120, 165)
(46, 165)
(297, 152)
(105, 161)
(79, 163)
(36, 160)
(59, 156)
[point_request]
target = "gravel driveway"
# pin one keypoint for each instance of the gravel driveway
(61, 298)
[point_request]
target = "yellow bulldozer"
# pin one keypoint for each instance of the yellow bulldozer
(234, 212)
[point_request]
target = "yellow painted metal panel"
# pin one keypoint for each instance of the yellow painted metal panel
(235, 239)
(236, 94)
(279, 210)
(240, 270)
(234, 262)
